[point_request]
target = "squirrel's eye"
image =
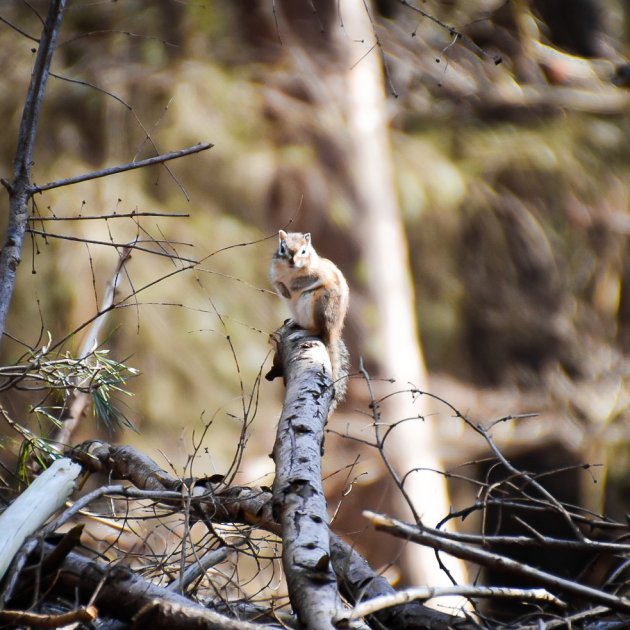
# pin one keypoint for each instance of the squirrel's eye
(303, 251)
(282, 248)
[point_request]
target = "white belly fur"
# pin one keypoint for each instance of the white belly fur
(302, 308)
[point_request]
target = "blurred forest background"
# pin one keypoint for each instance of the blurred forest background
(510, 161)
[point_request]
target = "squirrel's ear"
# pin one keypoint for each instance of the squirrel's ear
(307, 238)
(282, 235)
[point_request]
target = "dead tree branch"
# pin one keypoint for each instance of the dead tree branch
(120, 593)
(215, 503)
(19, 188)
(429, 592)
(433, 538)
(359, 583)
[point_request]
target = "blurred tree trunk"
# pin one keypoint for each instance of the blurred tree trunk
(384, 252)
(334, 102)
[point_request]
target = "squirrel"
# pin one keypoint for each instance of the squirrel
(317, 295)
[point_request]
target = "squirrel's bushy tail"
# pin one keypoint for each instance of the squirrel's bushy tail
(340, 362)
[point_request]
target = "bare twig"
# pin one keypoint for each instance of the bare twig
(135, 115)
(428, 592)
(112, 170)
(571, 621)
(135, 246)
(113, 215)
(485, 433)
(456, 34)
(380, 440)
(539, 487)
(18, 30)
(84, 614)
(83, 502)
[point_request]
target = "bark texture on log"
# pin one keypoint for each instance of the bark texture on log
(124, 595)
(298, 498)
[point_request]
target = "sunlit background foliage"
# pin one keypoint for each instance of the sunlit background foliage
(512, 178)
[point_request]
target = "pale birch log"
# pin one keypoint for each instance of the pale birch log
(34, 507)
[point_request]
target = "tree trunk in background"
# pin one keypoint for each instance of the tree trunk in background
(339, 83)
(384, 252)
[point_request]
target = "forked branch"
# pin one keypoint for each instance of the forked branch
(19, 188)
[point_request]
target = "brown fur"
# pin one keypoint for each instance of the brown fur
(316, 293)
